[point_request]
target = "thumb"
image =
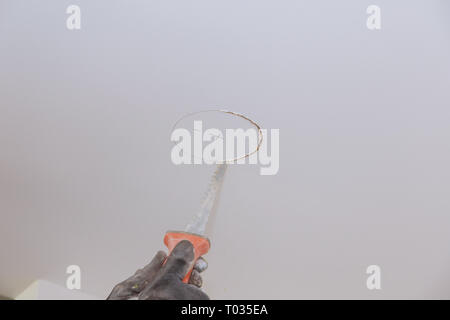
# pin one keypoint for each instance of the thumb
(180, 260)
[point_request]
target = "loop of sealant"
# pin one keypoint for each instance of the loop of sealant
(260, 136)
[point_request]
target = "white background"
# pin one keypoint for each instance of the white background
(85, 118)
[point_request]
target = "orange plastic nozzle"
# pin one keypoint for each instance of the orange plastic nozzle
(201, 245)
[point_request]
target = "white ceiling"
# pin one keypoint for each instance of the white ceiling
(85, 118)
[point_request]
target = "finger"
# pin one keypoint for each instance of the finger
(201, 264)
(150, 269)
(196, 279)
(180, 260)
(136, 283)
(145, 275)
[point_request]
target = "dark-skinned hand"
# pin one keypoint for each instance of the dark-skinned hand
(164, 281)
